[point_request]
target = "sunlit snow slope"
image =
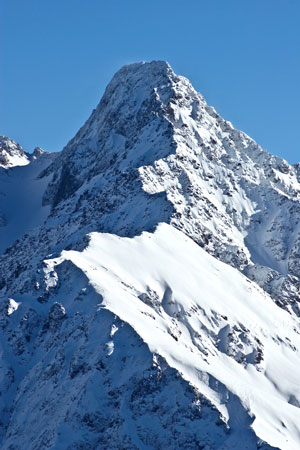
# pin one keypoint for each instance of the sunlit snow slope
(207, 320)
(11, 154)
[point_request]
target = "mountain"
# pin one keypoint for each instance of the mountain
(150, 281)
(21, 192)
(11, 154)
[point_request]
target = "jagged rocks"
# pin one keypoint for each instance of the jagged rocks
(152, 153)
(11, 154)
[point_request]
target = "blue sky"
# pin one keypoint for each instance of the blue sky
(57, 56)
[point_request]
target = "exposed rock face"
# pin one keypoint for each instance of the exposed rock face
(11, 154)
(152, 152)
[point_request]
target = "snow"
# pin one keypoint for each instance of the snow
(201, 299)
(14, 160)
(12, 306)
(21, 193)
(11, 154)
(152, 156)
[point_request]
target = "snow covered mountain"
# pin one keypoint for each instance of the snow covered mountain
(11, 154)
(21, 193)
(150, 281)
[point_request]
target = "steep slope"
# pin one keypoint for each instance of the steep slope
(91, 382)
(221, 332)
(154, 151)
(11, 154)
(21, 194)
(169, 188)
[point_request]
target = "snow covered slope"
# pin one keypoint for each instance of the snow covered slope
(221, 332)
(21, 195)
(154, 300)
(11, 154)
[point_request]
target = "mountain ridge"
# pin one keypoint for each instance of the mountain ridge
(153, 170)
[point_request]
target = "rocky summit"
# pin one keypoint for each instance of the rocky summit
(149, 281)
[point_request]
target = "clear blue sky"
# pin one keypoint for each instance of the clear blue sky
(57, 56)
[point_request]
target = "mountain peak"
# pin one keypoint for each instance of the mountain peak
(136, 82)
(11, 153)
(171, 240)
(152, 67)
(137, 94)
(38, 152)
(134, 105)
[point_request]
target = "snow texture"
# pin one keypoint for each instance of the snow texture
(11, 154)
(149, 280)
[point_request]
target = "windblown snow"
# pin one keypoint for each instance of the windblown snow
(206, 319)
(149, 284)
